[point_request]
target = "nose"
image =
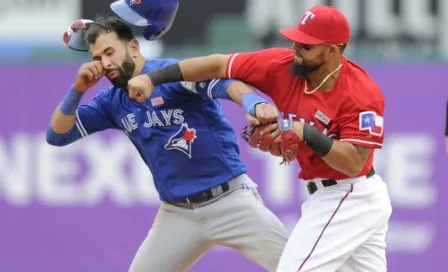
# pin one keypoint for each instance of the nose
(296, 46)
(105, 61)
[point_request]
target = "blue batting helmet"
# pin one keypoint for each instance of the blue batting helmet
(156, 15)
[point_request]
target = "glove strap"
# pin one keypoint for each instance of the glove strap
(285, 124)
(247, 132)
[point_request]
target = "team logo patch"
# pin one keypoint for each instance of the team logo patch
(370, 121)
(182, 140)
(134, 2)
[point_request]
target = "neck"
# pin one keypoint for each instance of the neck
(317, 77)
(139, 64)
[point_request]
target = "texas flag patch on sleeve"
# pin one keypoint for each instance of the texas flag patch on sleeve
(371, 122)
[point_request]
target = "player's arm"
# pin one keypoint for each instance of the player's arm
(245, 96)
(71, 122)
(236, 91)
(64, 116)
(249, 67)
(193, 69)
(361, 132)
(347, 158)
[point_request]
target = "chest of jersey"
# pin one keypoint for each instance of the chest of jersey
(160, 117)
(319, 109)
(173, 128)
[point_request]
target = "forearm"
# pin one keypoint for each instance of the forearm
(238, 92)
(345, 158)
(64, 117)
(342, 156)
(193, 70)
(63, 120)
(245, 96)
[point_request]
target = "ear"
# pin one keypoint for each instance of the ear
(333, 49)
(134, 48)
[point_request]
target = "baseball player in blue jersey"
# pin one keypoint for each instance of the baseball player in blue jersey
(190, 148)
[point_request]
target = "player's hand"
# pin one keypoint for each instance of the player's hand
(276, 133)
(274, 130)
(88, 75)
(286, 145)
(252, 120)
(266, 113)
(140, 88)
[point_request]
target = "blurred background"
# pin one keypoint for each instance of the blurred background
(87, 207)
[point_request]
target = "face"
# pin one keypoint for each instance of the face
(309, 58)
(116, 56)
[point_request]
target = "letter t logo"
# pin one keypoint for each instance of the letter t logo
(307, 16)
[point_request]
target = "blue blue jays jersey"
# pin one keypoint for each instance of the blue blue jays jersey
(180, 132)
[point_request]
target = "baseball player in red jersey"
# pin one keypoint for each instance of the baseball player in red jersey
(336, 109)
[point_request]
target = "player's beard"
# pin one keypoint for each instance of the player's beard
(125, 73)
(304, 69)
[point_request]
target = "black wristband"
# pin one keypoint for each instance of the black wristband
(167, 74)
(316, 140)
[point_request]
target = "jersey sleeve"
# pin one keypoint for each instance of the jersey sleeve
(253, 67)
(364, 126)
(94, 116)
(206, 90)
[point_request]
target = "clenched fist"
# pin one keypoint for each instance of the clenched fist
(140, 88)
(265, 114)
(88, 75)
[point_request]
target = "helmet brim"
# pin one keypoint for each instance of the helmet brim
(122, 9)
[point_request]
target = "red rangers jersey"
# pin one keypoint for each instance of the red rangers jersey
(352, 111)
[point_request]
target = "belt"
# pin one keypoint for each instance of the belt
(206, 195)
(312, 186)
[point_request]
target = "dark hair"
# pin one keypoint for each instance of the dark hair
(110, 24)
(343, 46)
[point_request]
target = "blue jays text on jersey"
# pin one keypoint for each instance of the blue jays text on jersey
(180, 132)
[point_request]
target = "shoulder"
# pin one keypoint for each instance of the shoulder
(159, 63)
(259, 64)
(361, 88)
(282, 53)
(277, 51)
(274, 54)
(283, 57)
(109, 98)
(107, 94)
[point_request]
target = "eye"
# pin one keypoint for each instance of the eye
(306, 47)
